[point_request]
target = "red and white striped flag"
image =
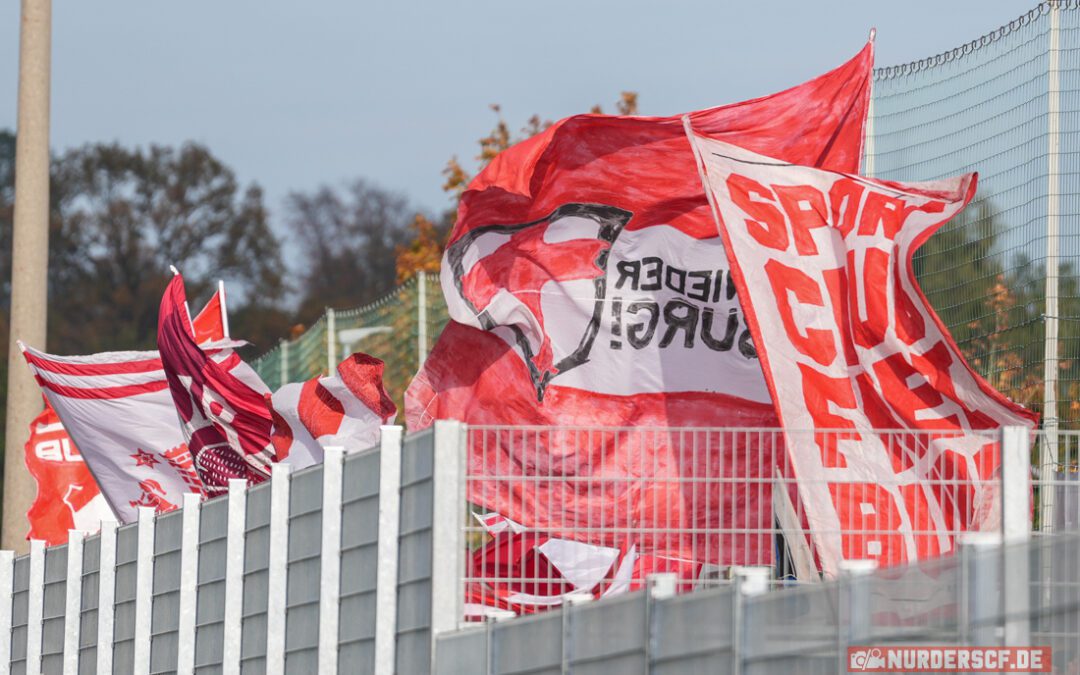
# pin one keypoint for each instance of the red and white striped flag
(346, 410)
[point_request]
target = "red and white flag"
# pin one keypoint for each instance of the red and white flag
(212, 323)
(588, 286)
(117, 406)
(67, 495)
(224, 418)
(345, 410)
(823, 265)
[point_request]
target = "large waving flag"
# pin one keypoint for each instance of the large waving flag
(346, 409)
(117, 407)
(822, 264)
(588, 286)
(225, 420)
(101, 448)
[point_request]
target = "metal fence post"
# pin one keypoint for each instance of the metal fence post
(331, 341)
(277, 569)
(386, 573)
(7, 587)
(284, 362)
(234, 576)
(34, 606)
(72, 601)
(980, 580)
(854, 625)
(330, 559)
(1016, 530)
(447, 545)
(106, 596)
(1048, 455)
(144, 590)
(189, 582)
(661, 586)
(747, 582)
(421, 318)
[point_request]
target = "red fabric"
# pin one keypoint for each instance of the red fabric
(639, 174)
(209, 324)
(66, 490)
(227, 424)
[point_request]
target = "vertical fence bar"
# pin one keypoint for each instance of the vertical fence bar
(980, 587)
(1015, 484)
(1048, 455)
(189, 583)
(447, 546)
(144, 590)
(855, 624)
(7, 589)
(284, 362)
(661, 586)
(72, 601)
(34, 607)
(387, 556)
(747, 582)
(330, 560)
(106, 595)
(277, 569)
(331, 341)
(234, 577)
(421, 318)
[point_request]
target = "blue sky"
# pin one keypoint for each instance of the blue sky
(293, 95)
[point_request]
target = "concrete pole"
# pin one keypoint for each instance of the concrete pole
(29, 261)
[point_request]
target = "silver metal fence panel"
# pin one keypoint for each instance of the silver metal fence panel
(693, 633)
(73, 601)
(256, 589)
(34, 606)
(304, 558)
(7, 560)
(235, 547)
(53, 607)
(210, 591)
(88, 606)
(127, 549)
(189, 569)
(528, 645)
(165, 609)
(20, 599)
(106, 604)
(415, 555)
(277, 569)
(463, 651)
(1056, 602)
(447, 537)
(602, 638)
(360, 541)
(387, 529)
(330, 561)
(791, 631)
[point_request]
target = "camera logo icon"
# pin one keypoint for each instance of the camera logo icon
(865, 659)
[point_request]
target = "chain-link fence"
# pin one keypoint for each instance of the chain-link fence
(1004, 276)
(398, 328)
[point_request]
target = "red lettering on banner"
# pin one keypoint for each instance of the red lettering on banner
(836, 283)
(951, 484)
(818, 344)
(806, 210)
(910, 326)
(871, 521)
(822, 393)
(883, 211)
(874, 285)
(910, 393)
(936, 363)
(844, 197)
(766, 223)
(923, 528)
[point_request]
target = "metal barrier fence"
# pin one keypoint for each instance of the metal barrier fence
(989, 595)
(554, 512)
(358, 565)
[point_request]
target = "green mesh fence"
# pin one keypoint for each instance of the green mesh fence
(1008, 106)
(389, 329)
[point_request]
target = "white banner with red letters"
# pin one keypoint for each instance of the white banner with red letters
(847, 341)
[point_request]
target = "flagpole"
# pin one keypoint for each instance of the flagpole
(29, 261)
